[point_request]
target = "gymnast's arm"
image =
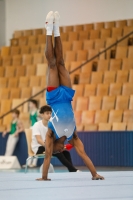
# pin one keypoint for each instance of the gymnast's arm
(48, 154)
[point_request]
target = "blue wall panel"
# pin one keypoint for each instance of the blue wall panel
(104, 148)
(21, 148)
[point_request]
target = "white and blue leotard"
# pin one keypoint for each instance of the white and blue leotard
(62, 122)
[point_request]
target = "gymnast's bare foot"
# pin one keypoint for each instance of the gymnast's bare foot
(97, 177)
(43, 179)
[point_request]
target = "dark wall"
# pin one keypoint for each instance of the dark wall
(104, 148)
(20, 150)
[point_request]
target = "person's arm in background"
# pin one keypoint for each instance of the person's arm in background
(20, 128)
(39, 140)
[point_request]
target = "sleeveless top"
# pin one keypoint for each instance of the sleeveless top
(13, 127)
(62, 122)
(33, 118)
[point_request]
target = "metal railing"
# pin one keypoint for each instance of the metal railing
(97, 55)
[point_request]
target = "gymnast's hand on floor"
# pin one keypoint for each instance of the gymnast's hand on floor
(98, 177)
(43, 179)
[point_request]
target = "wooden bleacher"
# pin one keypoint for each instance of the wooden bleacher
(104, 87)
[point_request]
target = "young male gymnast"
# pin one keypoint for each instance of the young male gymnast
(59, 96)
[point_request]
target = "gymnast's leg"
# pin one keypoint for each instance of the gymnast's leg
(79, 147)
(64, 76)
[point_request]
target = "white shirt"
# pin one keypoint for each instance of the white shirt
(38, 129)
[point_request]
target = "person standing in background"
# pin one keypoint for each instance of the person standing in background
(34, 117)
(15, 129)
(34, 114)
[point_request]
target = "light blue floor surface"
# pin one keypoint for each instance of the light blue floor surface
(118, 185)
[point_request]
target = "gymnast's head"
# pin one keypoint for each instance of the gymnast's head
(46, 112)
